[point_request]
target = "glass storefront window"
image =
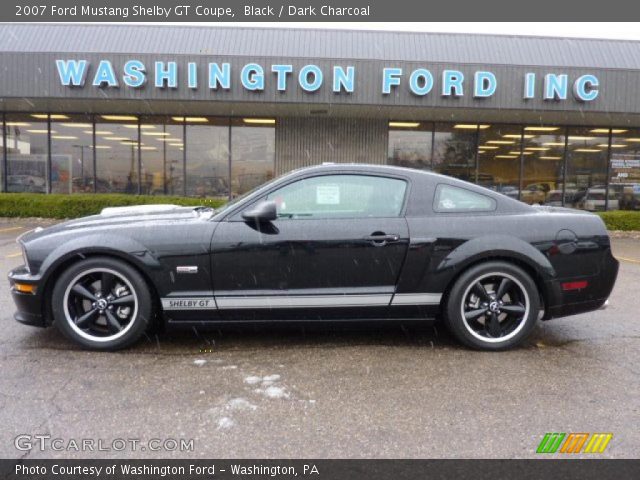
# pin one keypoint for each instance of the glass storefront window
(72, 154)
(207, 143)
(543, 167)
(454, 150)
(2, 164)
(27, 152)
(624, 170)
(410, 144)
(587, 153)
(499, 158)
(116, 154)
(161, 156)
(253, 153)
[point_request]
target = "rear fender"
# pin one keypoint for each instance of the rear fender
(500, 246)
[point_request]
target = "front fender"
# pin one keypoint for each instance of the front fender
(110, 244)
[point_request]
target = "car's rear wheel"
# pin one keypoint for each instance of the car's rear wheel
(102, 304)
(492, 306)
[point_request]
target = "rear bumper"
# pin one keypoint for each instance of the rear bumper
(30, 306)
(594, 297)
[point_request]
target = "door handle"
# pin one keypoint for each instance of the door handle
(381, 239)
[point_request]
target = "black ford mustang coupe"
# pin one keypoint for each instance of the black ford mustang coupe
(331, 242)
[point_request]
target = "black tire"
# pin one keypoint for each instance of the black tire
(516, 309)
(102, 282)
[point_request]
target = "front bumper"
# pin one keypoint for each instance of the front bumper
(30, 305)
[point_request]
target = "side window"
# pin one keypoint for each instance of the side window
(341, 196)
(455, 199)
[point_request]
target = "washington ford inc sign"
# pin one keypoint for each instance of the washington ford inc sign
(311, 78)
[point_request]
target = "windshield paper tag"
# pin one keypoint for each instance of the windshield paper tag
(328, 195)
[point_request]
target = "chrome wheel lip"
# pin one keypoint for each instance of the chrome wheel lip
(523, 321)
(81, 332)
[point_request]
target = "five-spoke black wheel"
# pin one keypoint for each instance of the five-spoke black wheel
(102, 303)
(492, 306)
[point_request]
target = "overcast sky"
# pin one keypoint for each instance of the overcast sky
(626, 31)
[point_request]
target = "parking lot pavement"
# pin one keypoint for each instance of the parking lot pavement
(326, 391)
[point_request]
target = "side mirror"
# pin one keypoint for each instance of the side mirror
(265, 211)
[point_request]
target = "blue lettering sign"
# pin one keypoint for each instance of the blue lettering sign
(168, 75)
(484, 84)
(252, 77)
(303, 78)
(343, 80)
(390, 78)
(219, 76)
(420, 81)
(105, 75)
(585, 88)
(192, 75)
(134, 74)
(555, 86)
(452, 83)
(281, 72)
(529, 86)
(72, 73)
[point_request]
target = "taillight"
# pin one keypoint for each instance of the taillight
(567, 286)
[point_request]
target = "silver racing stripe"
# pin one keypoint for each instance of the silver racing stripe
(299, 301)
(416, 299)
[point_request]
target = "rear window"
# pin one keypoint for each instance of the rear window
(456, 199)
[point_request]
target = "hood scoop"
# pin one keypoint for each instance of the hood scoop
(138, 209)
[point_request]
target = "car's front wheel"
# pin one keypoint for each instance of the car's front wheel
(492, 306)
(102, 303)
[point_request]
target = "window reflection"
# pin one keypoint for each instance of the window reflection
(117, 154)
(207, 143)
(499, 158)
(543, 167)
(410, 144)
(161, 156)
(27, 152)
(252, 152)
(454, 150)
(72, 154)
(624, 180)
(587, 153)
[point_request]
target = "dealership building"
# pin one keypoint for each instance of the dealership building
(213, 111)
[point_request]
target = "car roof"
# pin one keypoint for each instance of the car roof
(376, 168)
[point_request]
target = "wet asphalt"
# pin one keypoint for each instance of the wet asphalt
(328, 391)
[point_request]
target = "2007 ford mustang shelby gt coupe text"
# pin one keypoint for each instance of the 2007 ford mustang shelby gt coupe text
(331, 242)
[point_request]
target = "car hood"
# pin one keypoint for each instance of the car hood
(119, 217)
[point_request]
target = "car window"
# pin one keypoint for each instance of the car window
(335, 196)
(455, 199)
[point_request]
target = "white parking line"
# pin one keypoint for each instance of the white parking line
(631, 260)
(10, 229)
